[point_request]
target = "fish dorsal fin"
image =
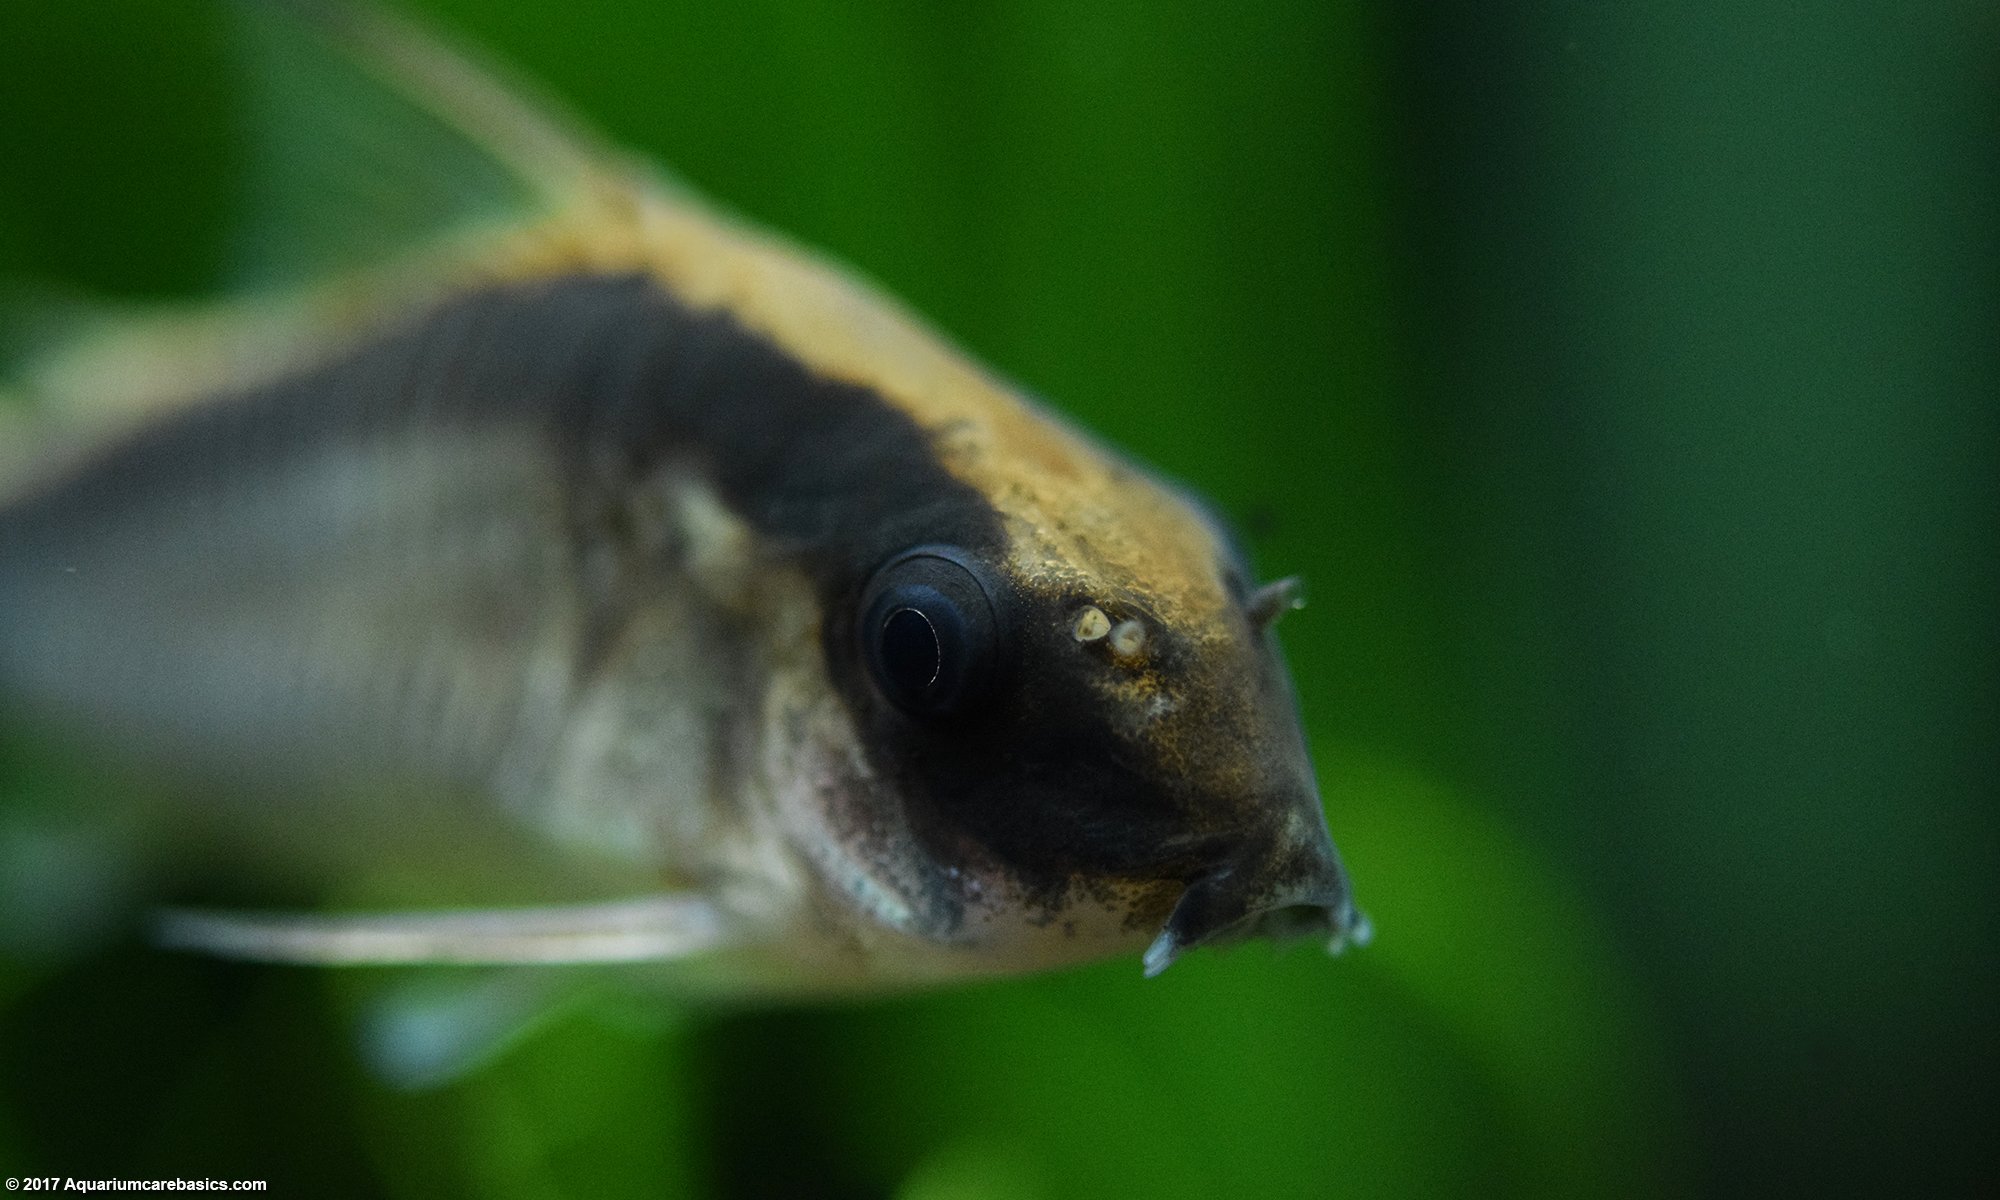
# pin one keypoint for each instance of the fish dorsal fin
(383, 163)
(371, 136)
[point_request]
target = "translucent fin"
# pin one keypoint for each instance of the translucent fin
(370, 137)
(647, 929)
(374, 149)
(434, 1028)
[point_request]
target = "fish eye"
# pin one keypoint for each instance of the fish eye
(929, 632)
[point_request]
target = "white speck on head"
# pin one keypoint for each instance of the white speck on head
(1128, 639)
(1091, 624)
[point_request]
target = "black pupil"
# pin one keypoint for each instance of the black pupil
(911, 656)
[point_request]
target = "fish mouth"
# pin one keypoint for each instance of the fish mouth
(1286, 901)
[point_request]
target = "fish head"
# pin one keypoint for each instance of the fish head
(1082, 739)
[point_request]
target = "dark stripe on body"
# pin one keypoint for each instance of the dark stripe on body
(622, 378)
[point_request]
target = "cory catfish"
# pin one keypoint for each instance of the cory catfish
(809, 655)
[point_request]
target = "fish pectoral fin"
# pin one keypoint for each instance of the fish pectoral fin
(644, 929)
(432, 1027)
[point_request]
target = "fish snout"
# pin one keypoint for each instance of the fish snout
(1281, 891)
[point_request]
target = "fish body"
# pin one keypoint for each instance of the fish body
(681, 555)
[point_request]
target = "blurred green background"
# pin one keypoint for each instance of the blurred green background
(1621, 378)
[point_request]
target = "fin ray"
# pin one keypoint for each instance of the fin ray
(372, 136)
(647, 929)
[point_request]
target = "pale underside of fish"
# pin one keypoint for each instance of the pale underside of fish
(701, 603)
